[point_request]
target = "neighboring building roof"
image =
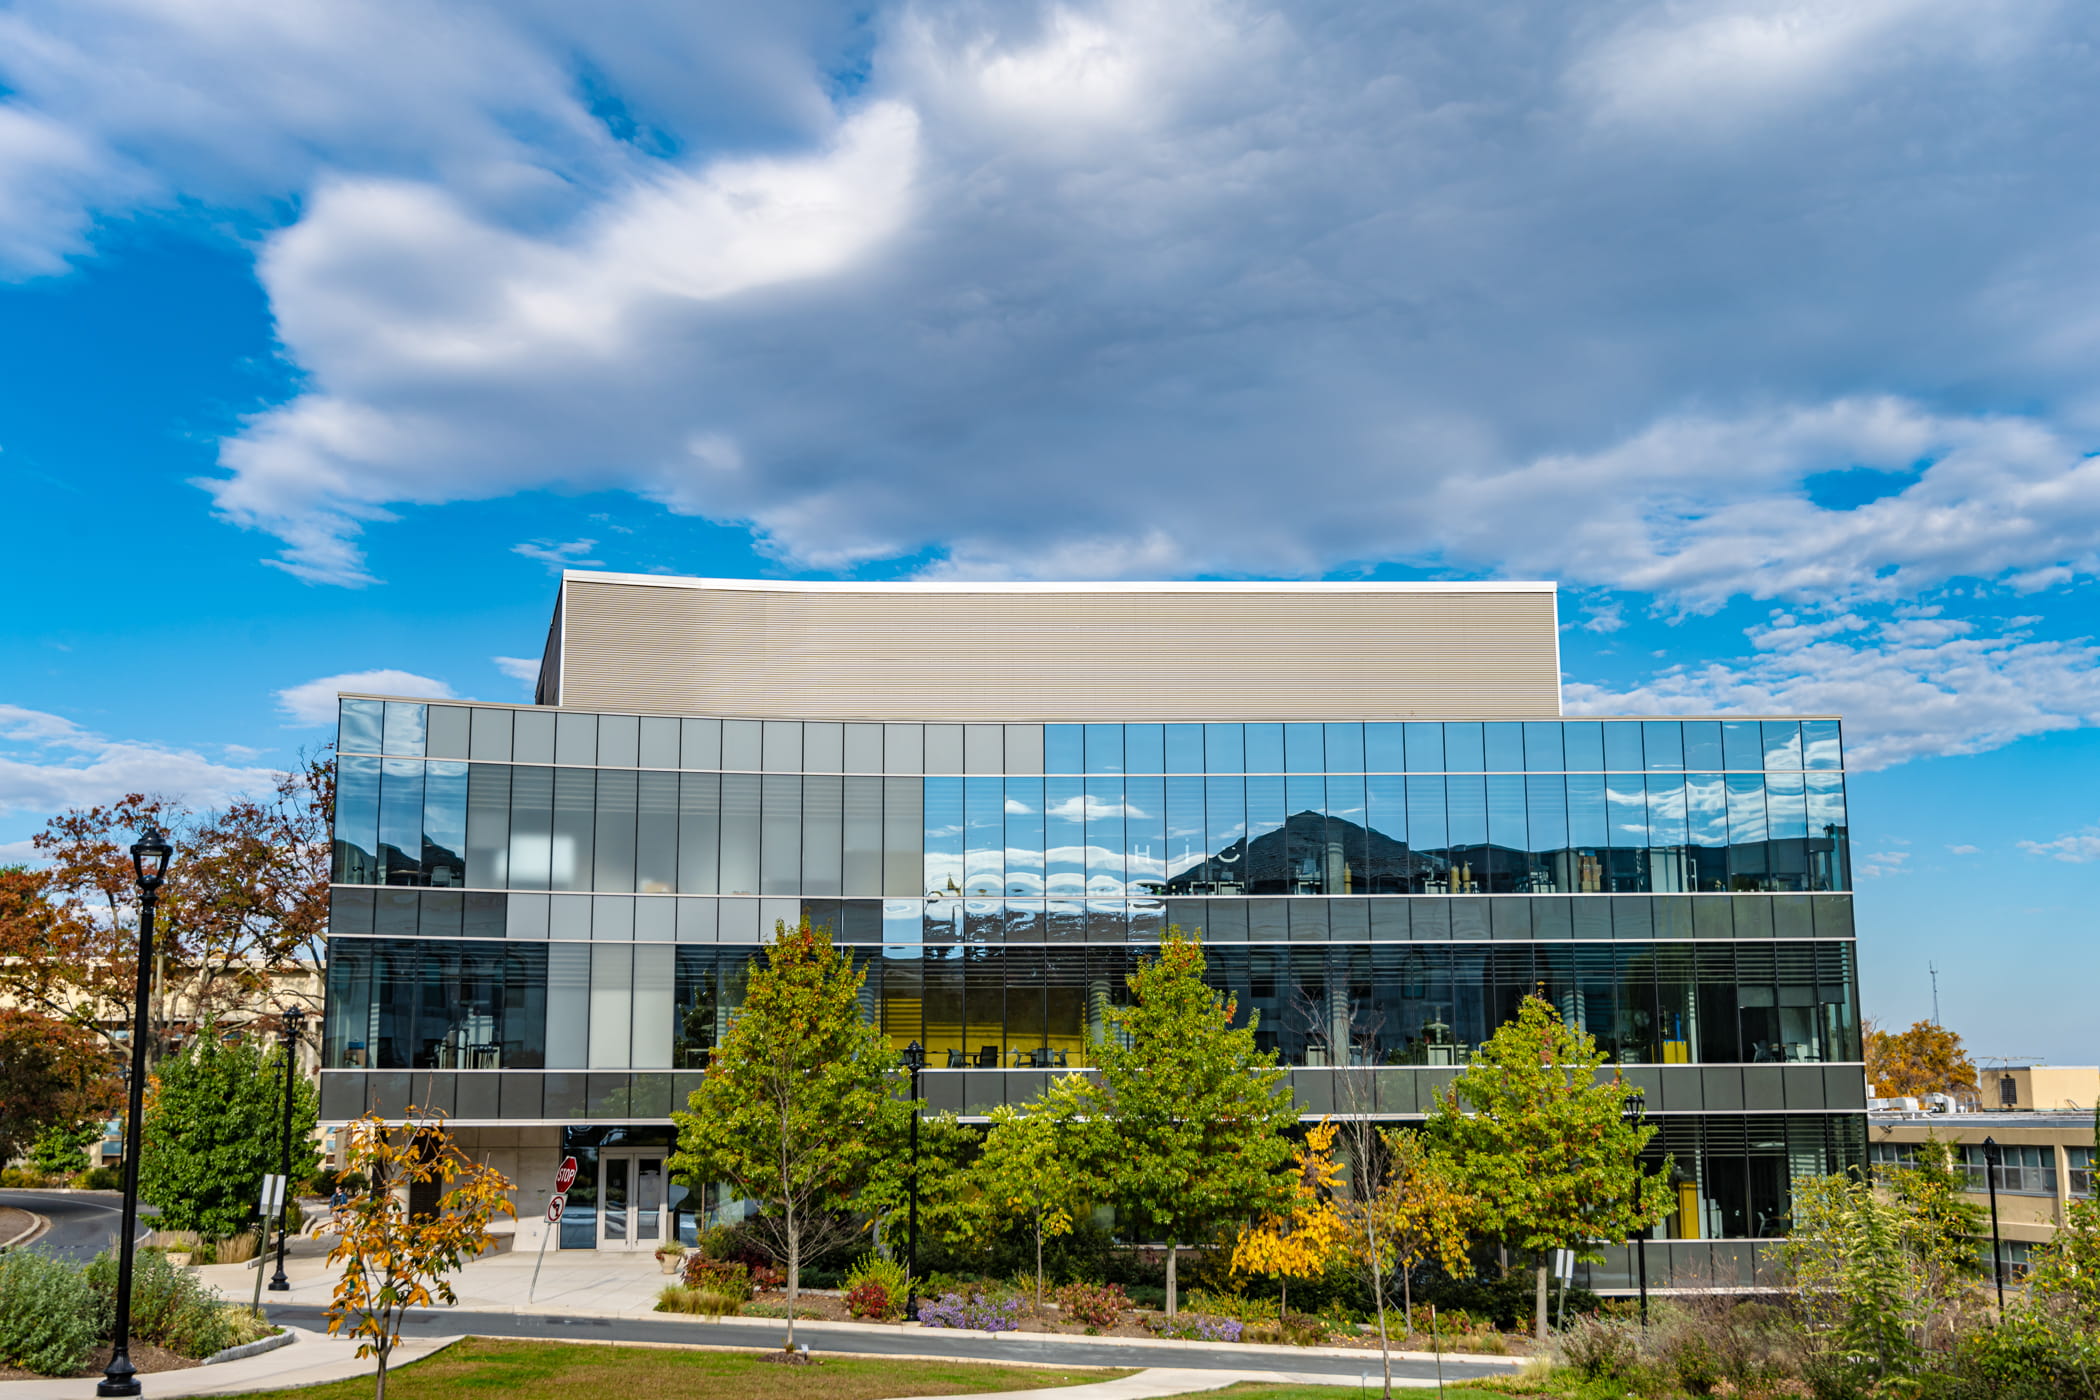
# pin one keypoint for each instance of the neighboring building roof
(993, 652)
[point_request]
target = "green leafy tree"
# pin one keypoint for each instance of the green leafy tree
(1859, 1282)
(1542, 1145)
(213, 1130)
(799, 1110)
(1196, 1111)
(61, 1149)
(1939, 1225)
(1030, 1169)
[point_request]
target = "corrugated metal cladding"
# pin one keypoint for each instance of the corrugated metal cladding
(1151, 652)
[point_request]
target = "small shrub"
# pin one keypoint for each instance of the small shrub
(1198, 1327)
(47, 1315)
(23, 1179)
(170, 1307)
(701, 1302)
(716, 1275)
(1097, 1306)
(873, 1268)
(870, 1299)
(1301, 1329)
(780, 1310)
(1237, 1306)
(976, 1312)
(101, 1179)
(1598, 1349)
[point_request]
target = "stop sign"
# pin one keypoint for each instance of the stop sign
(566, 1176)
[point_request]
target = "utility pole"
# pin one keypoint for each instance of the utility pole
(1933, 968)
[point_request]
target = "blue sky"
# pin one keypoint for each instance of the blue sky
(328, 334)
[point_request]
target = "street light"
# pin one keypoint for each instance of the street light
(294, 1017)
(1636, 1112)
(149, 864)
(914, 1060)
(1990, 1176)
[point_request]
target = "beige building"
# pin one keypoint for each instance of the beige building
(2045, 1159)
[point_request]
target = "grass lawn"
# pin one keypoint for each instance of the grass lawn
(488, 1368)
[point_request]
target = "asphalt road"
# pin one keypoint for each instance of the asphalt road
(963, 1346)
(83, 1223)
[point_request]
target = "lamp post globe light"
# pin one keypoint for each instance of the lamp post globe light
(294, 1017)
(914, 1060)
(150, 855)
(1637, 1115)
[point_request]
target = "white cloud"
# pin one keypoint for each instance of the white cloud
(568, 555)
(313, 702)
(1881, 864)
(2077, 848)
(49, 763)
(1965, 850)
(1908, 686)
(523, 669)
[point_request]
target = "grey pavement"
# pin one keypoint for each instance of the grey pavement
(83, 1223)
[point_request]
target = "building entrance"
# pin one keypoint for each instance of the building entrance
(631, 1199)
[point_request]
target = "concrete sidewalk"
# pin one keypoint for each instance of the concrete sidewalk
(310, 1360)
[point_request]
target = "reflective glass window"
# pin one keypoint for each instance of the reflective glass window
(1702, 746)
(1782, 740)
(1224, 748)
(444, 845)
(1465, 805)
(1583, 740)
(1265, 853)
(738, 866)
(944, 842)
(1385, 748)
(863, 835)
(1589, 823)
(612, 858)
(1225, 813)
(1426, 822)
(1504, 747)
(359, 728)
(1743, 744)
(1622, 746)
(403, 728)
(1826, 803)
(1425, 749)
(1464, 751)
(1345, 748)
(488, 826)
(1104, 748)
(984, 849)
(743, 745)
(656, 833)
(1662, 743)
(575, 739)
(1305, 834)
(357, 821)
(1746, 809)
(1184, 748)
(1264, 748)
(1186, 836)
(1064, 835)
(1304, 749)
(1542, 747)
(401, 821)
(1627, 796)
(1103, 808)
(1546, 811)
(1144, 749)
(699, 832)
(1389, 862)
(575, 813)
(1784, 808)
(1023, 810)
(823, 820)
(1819, 744)
(1509, 834)
(1064, 748)
(531, 827)
(1145, 833)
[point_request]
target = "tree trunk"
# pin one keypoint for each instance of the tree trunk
(1283, 1297)
(1407, 1296)
(379, 1390)
(794, 1237)
(1541, 1329)
(1039, 1266)
(1173, 1300)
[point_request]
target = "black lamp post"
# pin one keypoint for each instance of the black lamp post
(914, 1060)
(294, 1017)
(1637, 1114)
(149, 863)
(1990, 1176)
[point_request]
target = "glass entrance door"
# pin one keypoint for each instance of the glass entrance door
(631, 1210)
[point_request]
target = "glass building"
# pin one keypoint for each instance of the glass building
(543, 915)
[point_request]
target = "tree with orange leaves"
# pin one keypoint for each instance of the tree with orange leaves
(1300, 1240)
(1926, 1059)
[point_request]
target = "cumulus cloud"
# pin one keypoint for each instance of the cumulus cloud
(49, 763)
(523, 669)
(2077, 848)
(312, 703)
(571, 554)
(1908, 686)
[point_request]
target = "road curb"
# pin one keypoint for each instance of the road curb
(37, 1225)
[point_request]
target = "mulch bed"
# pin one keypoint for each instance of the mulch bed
(145, 1359)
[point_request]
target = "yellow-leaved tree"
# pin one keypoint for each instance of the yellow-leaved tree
(1419, 1211)
(1302, 1239)
(394, 1261)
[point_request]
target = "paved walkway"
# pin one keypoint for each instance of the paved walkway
(310, 1360)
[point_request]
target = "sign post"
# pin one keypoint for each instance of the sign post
(269, 1204)
(564, 1178)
